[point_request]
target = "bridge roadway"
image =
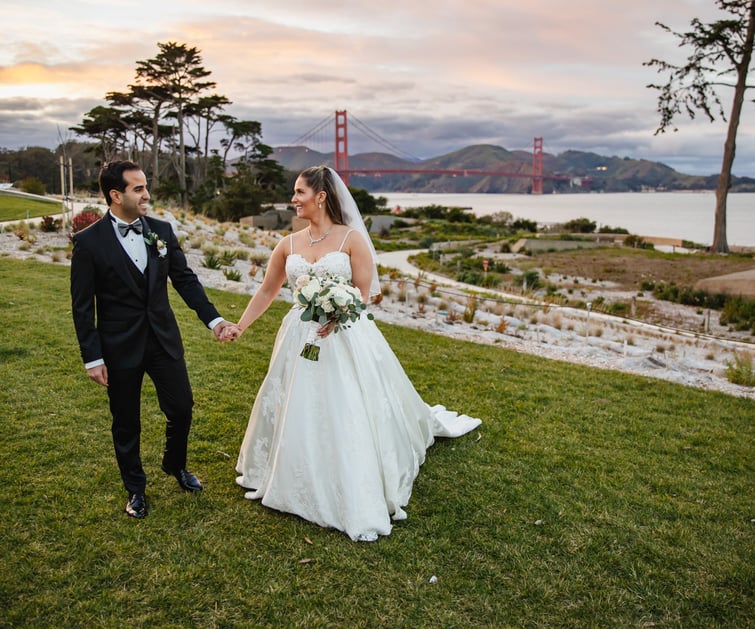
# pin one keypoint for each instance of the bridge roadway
(466, 172)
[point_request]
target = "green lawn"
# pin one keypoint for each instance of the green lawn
(17, 208)
(588, 498)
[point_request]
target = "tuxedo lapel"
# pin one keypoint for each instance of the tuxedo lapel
(153, 263)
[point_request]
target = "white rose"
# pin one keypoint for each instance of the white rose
(311, 289)
(342, 297)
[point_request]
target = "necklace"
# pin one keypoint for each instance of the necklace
(314, 241)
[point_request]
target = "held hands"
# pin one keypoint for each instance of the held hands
(226, 331)
(231, 333)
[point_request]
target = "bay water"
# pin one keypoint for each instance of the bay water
(683, 215)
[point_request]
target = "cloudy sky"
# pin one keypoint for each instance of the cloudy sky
(428, 76)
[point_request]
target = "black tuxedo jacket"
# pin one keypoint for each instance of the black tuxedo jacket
(105, 281)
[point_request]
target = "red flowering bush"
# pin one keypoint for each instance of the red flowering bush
(84, 219)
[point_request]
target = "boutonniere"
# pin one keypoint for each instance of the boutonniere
(153, 241)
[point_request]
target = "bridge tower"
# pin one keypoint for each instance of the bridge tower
(342, 147)
(537, 166)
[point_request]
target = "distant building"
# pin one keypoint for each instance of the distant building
(278, 218)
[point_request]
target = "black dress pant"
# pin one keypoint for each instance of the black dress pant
(171, 382)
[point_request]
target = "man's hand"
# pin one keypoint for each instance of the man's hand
(98, 374)
(231, 333)
(226, 331)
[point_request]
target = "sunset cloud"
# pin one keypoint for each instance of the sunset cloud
(428, 78)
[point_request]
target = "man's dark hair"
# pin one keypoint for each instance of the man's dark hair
(111, 177)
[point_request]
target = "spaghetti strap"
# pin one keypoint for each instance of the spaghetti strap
(343, 242)
(291, 241)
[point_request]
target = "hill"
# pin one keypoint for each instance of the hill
(605, 174)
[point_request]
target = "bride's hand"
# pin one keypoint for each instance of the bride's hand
(326, 329)
(230, 333)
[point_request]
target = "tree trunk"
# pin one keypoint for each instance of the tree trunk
(155, 150)
(720, 244)
(182, 158)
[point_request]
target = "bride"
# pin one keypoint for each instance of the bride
(337, 441)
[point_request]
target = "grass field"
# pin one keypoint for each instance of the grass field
(588, 498)
(17, 208)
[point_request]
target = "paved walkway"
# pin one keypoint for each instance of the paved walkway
(399, 260)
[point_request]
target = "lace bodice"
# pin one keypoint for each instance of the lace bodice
(332, 263)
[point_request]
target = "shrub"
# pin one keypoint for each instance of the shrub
(453, 316)
(232, 275)
(470, 309)
(84, 219)
(691, 297)
(501, 327)
(211, 261)
(247, 239)
(637, 242)
(524, 225)
(531, 278)
(647, 285)
(739, 313)
(21, 231)
(228, 257)
(741, 370)
(580, 226)
(470, 277)
(50, 224)
(32, 185)
(490, 280)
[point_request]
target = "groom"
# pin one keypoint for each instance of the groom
(126, 328)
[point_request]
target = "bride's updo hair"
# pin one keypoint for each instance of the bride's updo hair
(319, 179)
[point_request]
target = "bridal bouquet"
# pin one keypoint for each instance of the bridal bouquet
(326, 300)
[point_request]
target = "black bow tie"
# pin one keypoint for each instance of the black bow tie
(124, 229)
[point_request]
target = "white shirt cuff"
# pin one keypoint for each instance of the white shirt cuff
(214, 322)
(94, 363)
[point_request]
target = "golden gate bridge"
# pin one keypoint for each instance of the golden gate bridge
(341, 160)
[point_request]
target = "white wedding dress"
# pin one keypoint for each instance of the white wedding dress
(338, 441)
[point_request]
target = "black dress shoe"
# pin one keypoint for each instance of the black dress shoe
(186, 480)
(136, 506)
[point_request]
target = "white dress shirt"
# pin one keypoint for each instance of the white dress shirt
(133, 244)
